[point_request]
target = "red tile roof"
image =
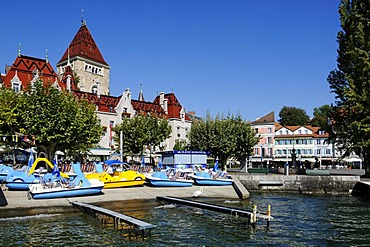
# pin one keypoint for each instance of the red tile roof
(83, 45)
(315, 132)
(25, 67)
(108, 103)
(105, 103)
(173, 106)
(143, 108)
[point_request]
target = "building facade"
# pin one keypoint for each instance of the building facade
(83, 71)
(277, 143)
(265, 130)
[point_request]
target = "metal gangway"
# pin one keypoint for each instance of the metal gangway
(252, 216)
(118, 218)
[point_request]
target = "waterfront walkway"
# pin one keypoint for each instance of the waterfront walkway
(19, 199)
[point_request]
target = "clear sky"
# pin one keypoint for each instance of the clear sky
(247, 57)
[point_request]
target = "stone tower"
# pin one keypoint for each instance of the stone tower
(87, 63)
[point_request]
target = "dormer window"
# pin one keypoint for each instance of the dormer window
(34, 73)
(16, 83)
(16, 87)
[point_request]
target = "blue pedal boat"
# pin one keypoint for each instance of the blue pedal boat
(205, 178)
(160, 179)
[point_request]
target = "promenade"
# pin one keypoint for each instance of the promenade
(19, 203)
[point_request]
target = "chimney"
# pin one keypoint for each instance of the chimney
(127, 94)
(165, 106)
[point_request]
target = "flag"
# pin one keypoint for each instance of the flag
(142, 160)
(31, 160)
(111, 133)
(56, 169)
(215, 167)
(159, 163)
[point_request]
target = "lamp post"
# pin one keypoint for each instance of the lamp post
(261, 155)
(121, 144)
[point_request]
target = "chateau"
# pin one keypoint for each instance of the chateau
(83, 71)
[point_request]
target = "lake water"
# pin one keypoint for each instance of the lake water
(299, 220)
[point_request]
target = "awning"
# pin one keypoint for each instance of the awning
(100, 151)
(352, 159)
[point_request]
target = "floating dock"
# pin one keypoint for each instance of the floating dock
(251, 215)
(118, 218)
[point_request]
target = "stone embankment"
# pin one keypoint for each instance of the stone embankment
(298, 183)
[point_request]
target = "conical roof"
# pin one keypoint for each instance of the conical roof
(83, 45)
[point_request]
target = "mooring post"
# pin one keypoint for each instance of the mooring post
(254, 216)
(269, 216)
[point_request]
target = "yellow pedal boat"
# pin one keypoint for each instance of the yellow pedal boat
(119, 179)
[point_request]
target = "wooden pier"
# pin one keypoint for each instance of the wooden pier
(118, 218)
(251, 215)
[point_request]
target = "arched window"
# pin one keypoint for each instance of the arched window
(94, 89)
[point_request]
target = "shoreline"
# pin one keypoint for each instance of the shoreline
(18, 201)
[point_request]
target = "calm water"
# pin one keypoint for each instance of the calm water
(300, 220)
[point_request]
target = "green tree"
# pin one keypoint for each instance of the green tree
(58, 120)
(321, 116)
(246, 139)
(224, 137)
(140, 132)
(10, 102)
(350, 82)
(179, 145)
(293, 116)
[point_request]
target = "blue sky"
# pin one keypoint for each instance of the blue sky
(225, 56)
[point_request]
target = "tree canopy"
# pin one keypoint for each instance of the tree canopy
(56, 120)
(350, 82)
(293, 116)
(224, 137)
(140, 132)
(321, 116)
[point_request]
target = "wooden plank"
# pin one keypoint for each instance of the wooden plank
(142, 225)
